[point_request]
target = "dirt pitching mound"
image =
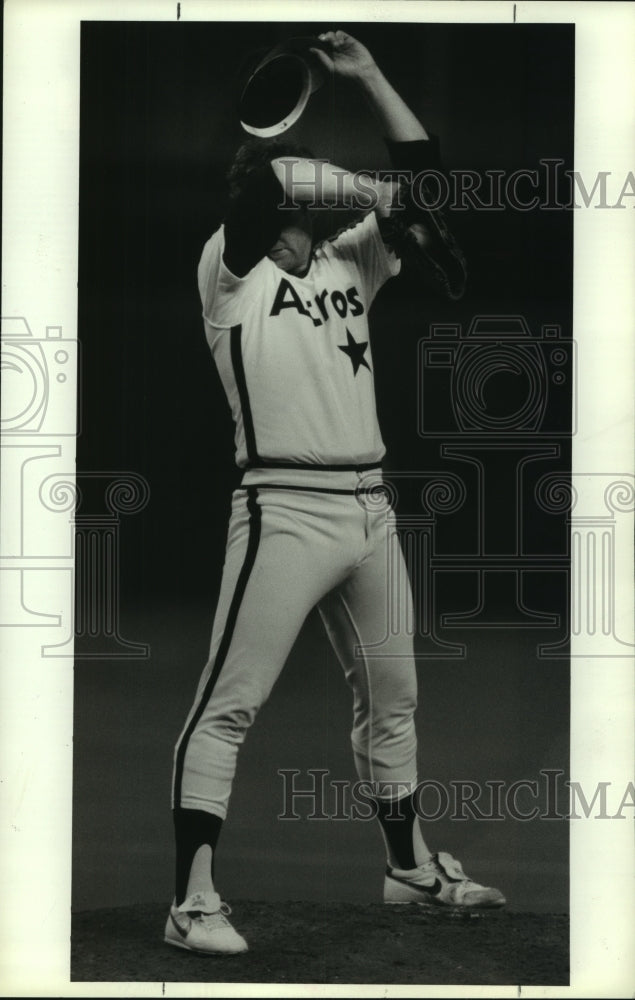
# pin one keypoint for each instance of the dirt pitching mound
(330, 943)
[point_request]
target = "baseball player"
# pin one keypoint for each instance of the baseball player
(287, 325)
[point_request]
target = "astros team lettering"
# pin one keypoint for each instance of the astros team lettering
(288, 298)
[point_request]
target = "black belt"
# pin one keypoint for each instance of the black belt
(363, 467)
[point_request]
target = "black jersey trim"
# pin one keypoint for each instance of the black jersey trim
(253, 541)
(274, 464)
(243, 393)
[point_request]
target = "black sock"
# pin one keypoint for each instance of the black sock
(192, 828)
(397, 818)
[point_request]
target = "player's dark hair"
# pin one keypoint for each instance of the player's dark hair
(255, 154)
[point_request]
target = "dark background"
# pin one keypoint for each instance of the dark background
(159, 127)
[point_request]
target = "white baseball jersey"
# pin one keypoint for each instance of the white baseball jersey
(294, 354)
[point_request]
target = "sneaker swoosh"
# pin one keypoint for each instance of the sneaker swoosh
(429, 890)
(183, 931)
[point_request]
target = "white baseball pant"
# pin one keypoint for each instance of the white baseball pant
(298, 539)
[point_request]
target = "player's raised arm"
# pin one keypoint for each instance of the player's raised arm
(348, 58)
(417, 232)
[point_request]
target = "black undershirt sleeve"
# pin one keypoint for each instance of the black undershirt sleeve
(253, 221)
(417, 155)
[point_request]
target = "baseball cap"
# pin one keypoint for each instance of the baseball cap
(279, 87)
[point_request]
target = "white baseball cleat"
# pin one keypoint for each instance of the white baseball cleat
(200, 924)
(440, 881)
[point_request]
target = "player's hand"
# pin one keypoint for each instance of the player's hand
(344, 55)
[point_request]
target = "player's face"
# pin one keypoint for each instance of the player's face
(292, 249)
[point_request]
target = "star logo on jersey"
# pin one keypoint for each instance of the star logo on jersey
(355, 352)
